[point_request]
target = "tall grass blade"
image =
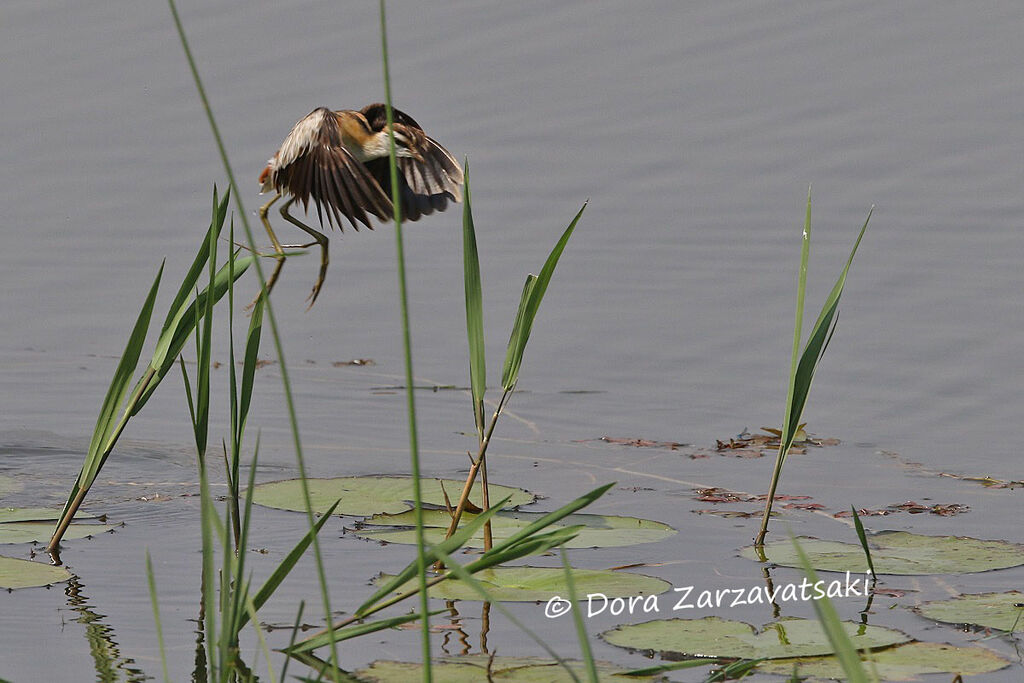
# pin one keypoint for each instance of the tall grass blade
(805, 364)
(846, 652)
(107, 430)
(410, 395)
(474, 309)
(204, 350)
(249, 362)
(577, 619)
(275, 333)
(106, 425)
(515, 339)
(801, 292)
(191, 279)
(533, 293)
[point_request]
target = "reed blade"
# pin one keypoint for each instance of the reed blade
(474, 308)
(529, 304)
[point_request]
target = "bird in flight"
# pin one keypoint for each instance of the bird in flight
(339, 159)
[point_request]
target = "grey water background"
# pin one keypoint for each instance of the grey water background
(693, 129)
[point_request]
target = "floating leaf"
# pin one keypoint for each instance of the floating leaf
(15, 573)
(475, 668)
(38, 532)
(599, 531)
(716, 637)
(527, 584)
(899, 552)
(900, 663)
(365, 496)
(34, 515)
(1003, 611)
(29, 525)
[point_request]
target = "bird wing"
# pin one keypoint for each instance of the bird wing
(313, 163)
(427, 184)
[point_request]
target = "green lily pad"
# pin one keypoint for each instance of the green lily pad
(898, 552)
(1003, 611)
(527, 584)
(601, 531)
(474, 668)
(900, 663)
(365, 496)
(15, 573)
(35, 515)
(28, 525)
(40, 532)
(716, 637)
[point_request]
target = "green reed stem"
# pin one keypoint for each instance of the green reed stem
(414, 455)
(272, 319)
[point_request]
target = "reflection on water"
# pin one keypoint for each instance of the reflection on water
(110, 665)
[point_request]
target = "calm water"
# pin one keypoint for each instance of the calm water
(694, 131)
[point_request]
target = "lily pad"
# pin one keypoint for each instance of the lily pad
(35, 515)
(601, 531)
(899, 552)
(365, 496)
(475, 668)
(1003, 611)
(39, 532)
(900, 663)
(527, 584)
(716, 637)
(16, 573)
(28, 525)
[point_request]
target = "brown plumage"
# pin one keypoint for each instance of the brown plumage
(339, 160)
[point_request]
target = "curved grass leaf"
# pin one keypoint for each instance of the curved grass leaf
(818, 340)
(474, 308)
(434, 553)
(533, 293)
(173, 340)
(180, 322)
(105, 423)
(863, 538)
(286, 565)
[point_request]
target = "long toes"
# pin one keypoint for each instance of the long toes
(314, 294)
(253, 303)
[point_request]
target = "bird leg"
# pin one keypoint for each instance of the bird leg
(278, 250)
(319, 238)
